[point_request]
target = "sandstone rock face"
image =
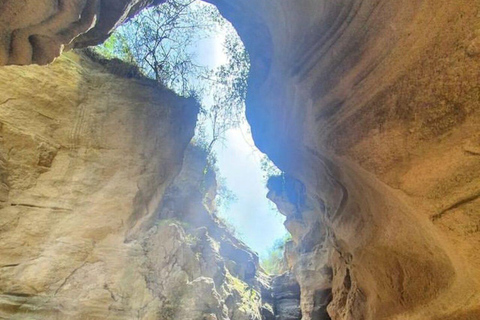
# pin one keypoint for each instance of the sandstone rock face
(286, 294)
(371, 108)
(80, 149)
(240, 283)
(38, 31)
(91, 225)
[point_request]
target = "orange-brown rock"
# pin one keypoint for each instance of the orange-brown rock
(100, 216)
(371, 108)
(38, 31)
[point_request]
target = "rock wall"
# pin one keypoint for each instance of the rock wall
(286, 294)
(91, 223)
(242, 286)
(371, 108)
(38, 31)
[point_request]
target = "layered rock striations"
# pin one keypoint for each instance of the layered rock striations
(101, 217)
(81, 166)
(371, 110)
(38, 31)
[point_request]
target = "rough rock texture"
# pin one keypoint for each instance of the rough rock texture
(371, 108)
(216, 253)
(91, 225)
(38, 31)
(286, 295)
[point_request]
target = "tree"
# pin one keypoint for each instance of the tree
(159, 42)
(268, 167)
(274, 262)
(228, 85)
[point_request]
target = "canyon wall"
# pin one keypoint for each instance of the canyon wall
(100, 216)
(38, 31)
(371, 108)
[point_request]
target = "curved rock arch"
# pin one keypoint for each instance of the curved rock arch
(360, 101)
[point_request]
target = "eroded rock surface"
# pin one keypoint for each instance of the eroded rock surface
(100, 216)
(286, 295)
(371, 108)
(216, 254)
(38, 31)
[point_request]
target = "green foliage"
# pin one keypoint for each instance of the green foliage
(116, 46)
(228, 89)
(225, 197)
(268, 167)
(273, 262)
(159, 42)
(250, 298)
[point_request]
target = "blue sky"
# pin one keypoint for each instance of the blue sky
(254, 217)
(258, 223)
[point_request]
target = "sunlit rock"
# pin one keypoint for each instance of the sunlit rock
(371, 106)
(93, 224)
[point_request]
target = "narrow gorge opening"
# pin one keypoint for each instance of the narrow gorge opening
(370, 109)
(188, 47)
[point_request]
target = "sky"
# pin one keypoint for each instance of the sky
(253, 216)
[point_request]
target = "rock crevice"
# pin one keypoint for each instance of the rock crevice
(108, 211)
(370, 108)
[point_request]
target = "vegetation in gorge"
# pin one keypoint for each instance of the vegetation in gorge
(163, 42)
(274, 262)
(248, 295)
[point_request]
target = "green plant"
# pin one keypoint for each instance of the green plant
(158, 41)
(161, 41)
(116, 46)
(229, 84)
(268, 167)
(273, 262)
(250, 298)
